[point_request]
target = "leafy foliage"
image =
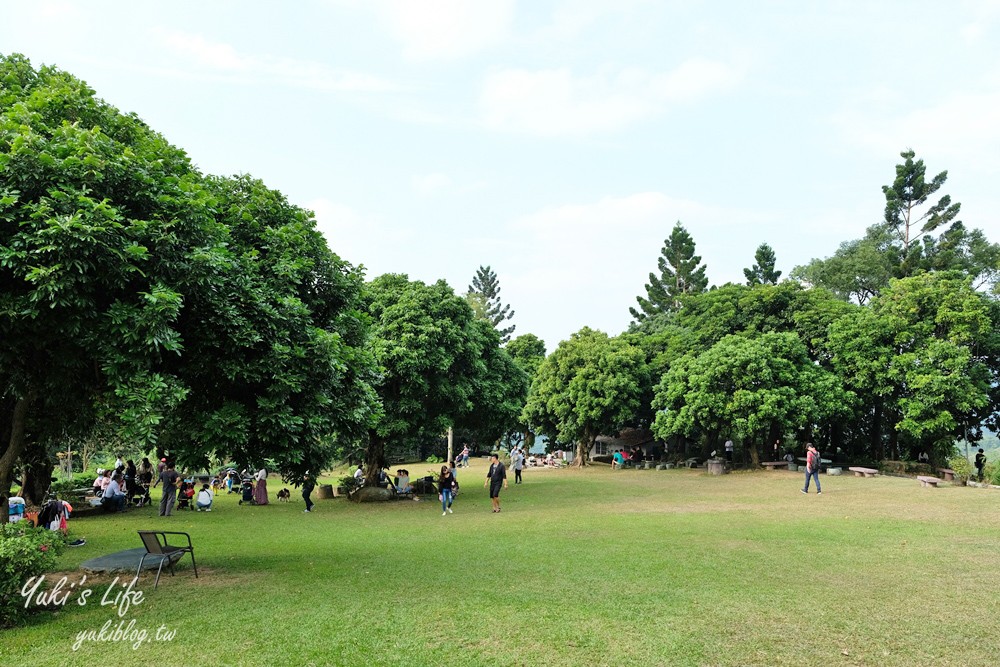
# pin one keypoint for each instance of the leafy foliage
(591, 384)
(25, 552)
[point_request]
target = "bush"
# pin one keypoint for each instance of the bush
(962, 468)
(434, 459)
(348, 483)
(25, 552)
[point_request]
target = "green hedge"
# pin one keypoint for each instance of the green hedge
(25, 552)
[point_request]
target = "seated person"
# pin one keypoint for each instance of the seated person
(617, 460)
(359, 475)
(205, 497)
(99, 482)
(923, 458)
(113, 497)
(383, 479)
(184, 495)
(789, 457)
(403, 481)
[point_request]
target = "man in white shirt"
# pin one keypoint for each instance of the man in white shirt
(359, 474)
(113, 495)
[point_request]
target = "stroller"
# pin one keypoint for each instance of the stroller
(138, 493)
(185, 494)
(247, 490)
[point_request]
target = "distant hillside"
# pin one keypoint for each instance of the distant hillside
(990, 445)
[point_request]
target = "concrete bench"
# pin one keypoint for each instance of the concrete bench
(864, 472)
(771, 465)
(949, 474)
(928, 481)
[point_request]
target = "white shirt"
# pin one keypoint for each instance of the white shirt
(358, 474)
(205, 497)
(729, 445)
(113, 490)
(262, 475)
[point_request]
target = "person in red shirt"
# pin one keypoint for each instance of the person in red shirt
(813, 462)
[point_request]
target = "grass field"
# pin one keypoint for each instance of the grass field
(588, 567)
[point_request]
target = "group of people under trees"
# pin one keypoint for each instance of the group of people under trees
(626, 457)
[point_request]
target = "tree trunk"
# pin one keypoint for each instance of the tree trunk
(36, 477)
(583, 447)
(754, 456)
(15, 446)
(876, 432)
(374, 458)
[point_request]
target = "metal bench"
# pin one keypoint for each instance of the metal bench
(157, 546)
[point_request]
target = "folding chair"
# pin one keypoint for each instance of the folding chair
(156, 544)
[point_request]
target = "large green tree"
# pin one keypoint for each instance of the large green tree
(681, 273)
(591, 384)
(103, 228)
(752, 386)
(528, 352)
(433, 364)
(925, 356)
(275, 361)
(485, 293)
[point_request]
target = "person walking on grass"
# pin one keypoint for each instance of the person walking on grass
(308, 484)
(447, 486)
(518, 465)
(495, 478)
(813, 462)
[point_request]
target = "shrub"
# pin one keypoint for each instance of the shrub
(25, 552)
(348, 483)
(434, 459)
(962, 468)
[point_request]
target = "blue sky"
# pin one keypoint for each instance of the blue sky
(558, 142)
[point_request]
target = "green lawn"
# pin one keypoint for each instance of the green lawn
(586, 567)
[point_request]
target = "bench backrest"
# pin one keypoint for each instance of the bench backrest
(151, 541)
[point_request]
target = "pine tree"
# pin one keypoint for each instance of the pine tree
(909, 191)
(763, 273)
(487, 287)
(681, 272)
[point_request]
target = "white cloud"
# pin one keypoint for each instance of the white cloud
(962, 125)
(440, 29)
(555, 102)
(359, 238)
(225, 59)
(583, 264)
(429, 184)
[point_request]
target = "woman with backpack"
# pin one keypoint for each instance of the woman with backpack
(813, 462)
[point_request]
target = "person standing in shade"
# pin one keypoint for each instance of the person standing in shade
(495, 478)
(777, 450)
(169, 479)
(518, 465)
(308, 484)
(260, 490)
(729, 450)
(813, 462)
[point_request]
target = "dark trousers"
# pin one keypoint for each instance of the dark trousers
(305, 497)
(517, 475)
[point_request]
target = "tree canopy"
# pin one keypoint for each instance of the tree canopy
(591, 384)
